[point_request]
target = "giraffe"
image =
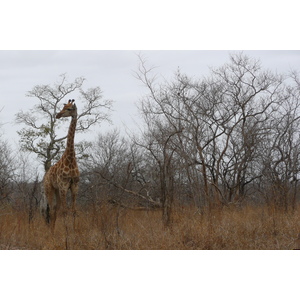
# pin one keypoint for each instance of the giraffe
(64, 175)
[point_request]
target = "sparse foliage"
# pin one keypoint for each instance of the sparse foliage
(40, 134)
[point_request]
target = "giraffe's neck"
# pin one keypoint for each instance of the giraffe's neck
(70, 149)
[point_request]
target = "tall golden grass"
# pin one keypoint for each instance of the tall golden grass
(108, 227)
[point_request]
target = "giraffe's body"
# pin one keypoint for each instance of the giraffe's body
(64, 175)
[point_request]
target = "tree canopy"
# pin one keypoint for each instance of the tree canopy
(40, 134)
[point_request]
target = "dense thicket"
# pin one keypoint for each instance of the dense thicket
(227, 138)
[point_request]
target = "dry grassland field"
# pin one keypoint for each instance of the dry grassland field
(109, 227)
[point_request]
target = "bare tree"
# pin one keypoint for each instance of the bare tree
(252, 96)
(280, 152)
(7, 168)
(219, 123)
(40, 134)
(27, 189)
(7, 171)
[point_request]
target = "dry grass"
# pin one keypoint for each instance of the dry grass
(109, 227)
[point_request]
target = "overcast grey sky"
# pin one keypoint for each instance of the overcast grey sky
(113, 71)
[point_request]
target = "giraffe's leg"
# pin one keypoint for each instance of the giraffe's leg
(55, 208)
(51, 207)
(74, 192)
(63, 199)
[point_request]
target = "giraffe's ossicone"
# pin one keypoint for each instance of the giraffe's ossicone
(64, 175)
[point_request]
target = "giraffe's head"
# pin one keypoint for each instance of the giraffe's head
(69, 110)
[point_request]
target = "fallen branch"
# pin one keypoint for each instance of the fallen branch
(155, 204)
